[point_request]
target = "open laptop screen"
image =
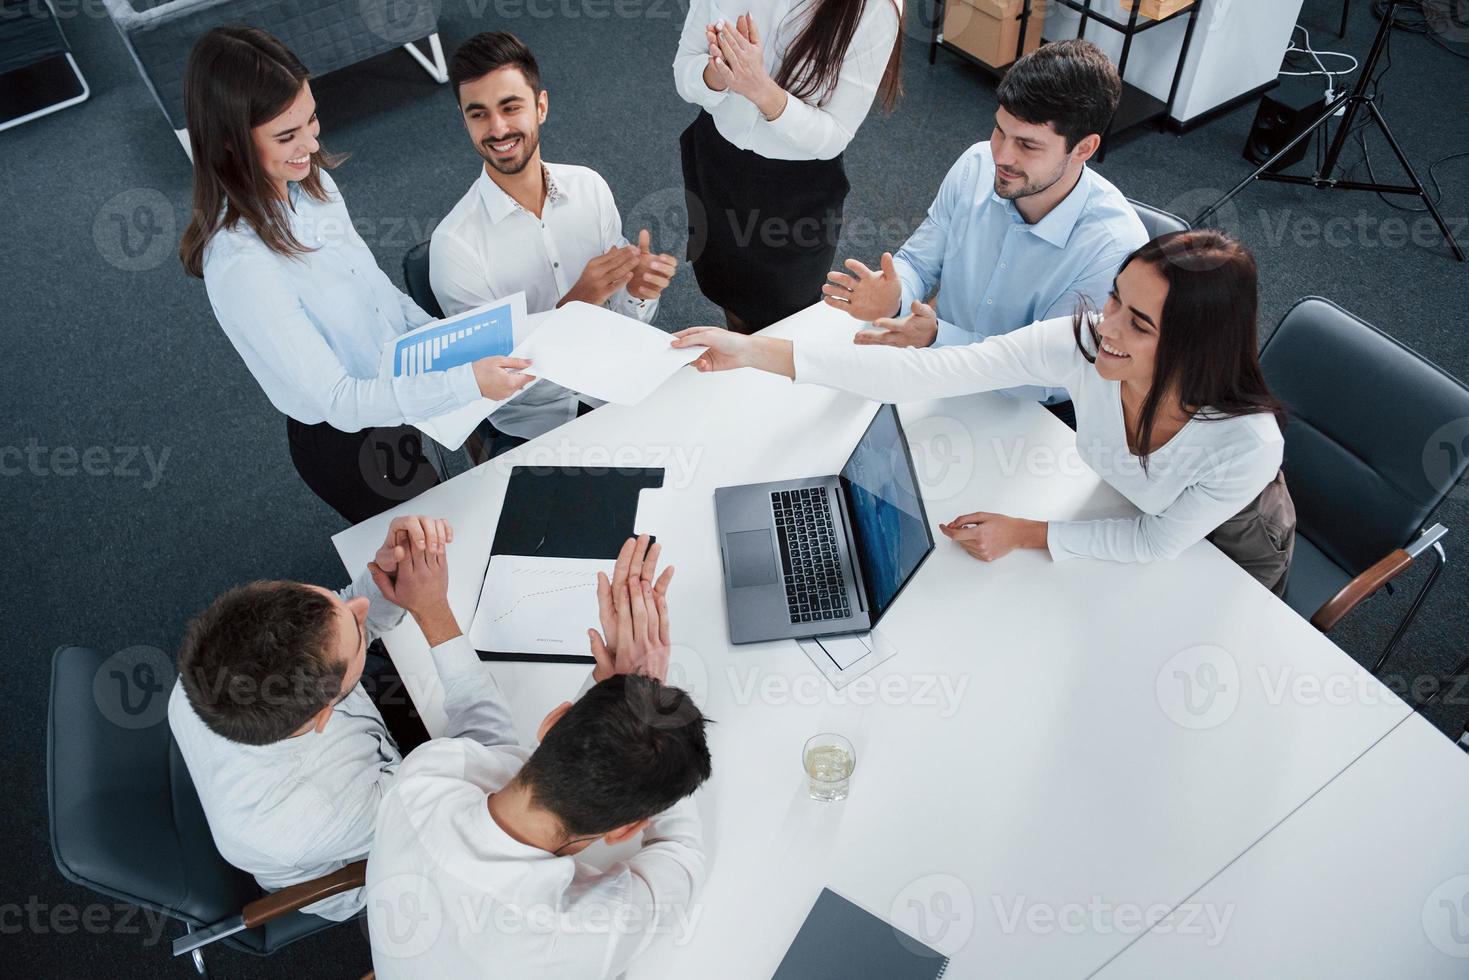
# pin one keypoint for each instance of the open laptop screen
(888, 519)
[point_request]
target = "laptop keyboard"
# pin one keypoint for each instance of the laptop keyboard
(815, 587)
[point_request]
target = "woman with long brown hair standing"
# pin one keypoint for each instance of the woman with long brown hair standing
(295, 287)
(782, 89)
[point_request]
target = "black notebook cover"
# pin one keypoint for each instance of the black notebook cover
(568, 512)
(840, 941)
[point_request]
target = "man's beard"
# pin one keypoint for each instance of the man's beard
(1028, 189)
(529, 143)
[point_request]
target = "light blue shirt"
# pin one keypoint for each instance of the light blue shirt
(311, 327)
(998, 272)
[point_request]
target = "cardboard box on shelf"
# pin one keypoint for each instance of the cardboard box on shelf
(990, 29)
(1158, 9)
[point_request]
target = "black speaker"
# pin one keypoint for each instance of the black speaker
(1284, 112)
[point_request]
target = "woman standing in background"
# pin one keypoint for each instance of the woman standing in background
(782, 88)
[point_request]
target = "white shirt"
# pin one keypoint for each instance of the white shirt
(802, 131)
(451, 895)
(311, 327)
(488, 247)
(1200, 478)
(303, 807)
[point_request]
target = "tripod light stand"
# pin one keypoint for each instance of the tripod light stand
(1324, 177)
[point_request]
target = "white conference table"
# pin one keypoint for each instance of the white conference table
(1049, 738)
(1369, 879)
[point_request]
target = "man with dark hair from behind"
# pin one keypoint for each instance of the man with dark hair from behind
(289, 754)
(1021, 230)
(473, 870)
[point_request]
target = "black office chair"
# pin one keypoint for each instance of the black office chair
(415, 277)
(126, 821)
(1366, 458)
(1156, 220)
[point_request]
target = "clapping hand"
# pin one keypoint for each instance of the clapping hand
(919, 329)
(604, 275)
(737, 58)
(654, 270)
(865, 294)
(633, 608)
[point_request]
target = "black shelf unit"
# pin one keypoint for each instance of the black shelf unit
(1136, 108)
(936, 40)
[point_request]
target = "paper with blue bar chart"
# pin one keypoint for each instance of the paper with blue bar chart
(486, 331)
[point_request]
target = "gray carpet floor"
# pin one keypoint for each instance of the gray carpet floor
(115, 350)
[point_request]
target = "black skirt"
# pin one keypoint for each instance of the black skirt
(361, 474)
(762, 233)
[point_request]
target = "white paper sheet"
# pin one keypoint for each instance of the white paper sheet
(452, 428)
(606, 355)
(538, 605)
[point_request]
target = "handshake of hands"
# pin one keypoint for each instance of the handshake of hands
(411, 569)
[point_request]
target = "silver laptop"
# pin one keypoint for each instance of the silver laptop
(827, 554)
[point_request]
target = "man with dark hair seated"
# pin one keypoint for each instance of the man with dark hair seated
(290, 755)
(473, 869)
(1021, 230)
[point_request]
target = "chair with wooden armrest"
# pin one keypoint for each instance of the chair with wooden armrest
(1378, 438)
(126, 820)
(270, 907)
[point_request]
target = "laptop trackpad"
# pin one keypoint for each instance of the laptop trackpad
(751, 558)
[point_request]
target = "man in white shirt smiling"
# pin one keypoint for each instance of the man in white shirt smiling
(289, 755)
(549, 229)
(473, 870)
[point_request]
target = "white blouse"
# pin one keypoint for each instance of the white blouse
(311, 327)
(803, 131)
(1195, 482)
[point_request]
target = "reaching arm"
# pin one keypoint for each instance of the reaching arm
(662, 880)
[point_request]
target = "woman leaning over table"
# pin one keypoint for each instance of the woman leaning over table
(297, 290)
(782, 86)
(1172, 409)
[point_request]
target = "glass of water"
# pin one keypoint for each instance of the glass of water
(829, 761)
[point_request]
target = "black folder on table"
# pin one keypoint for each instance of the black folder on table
(840, 941)
(568, 512)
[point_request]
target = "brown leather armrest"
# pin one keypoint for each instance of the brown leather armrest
(297, 897)
(1360, 588)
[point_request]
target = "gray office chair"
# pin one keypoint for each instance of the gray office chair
(126, 821)
(415, 277)
(1369, 456)
(1156, 220)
